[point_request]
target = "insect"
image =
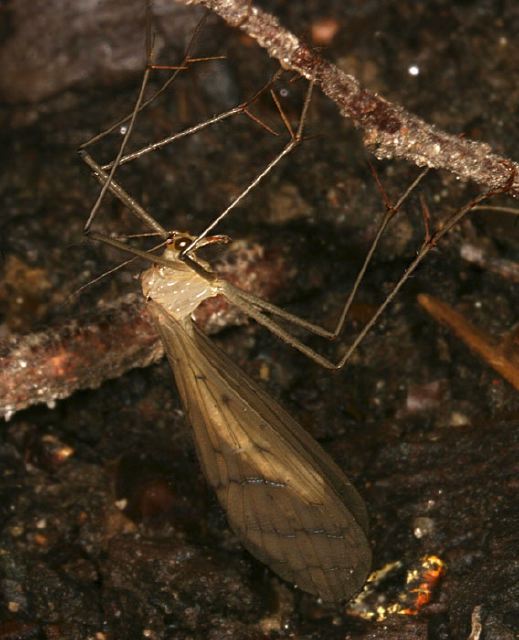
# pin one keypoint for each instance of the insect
(285, 498)
(290, 505)
(287, 501)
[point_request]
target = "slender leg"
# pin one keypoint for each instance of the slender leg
(113, 169)
(138, 103)
(247, 308)
(241, 108)
(296, 138)
(122, 246)
(183, 65)
(114, 165)
(124, 197)
(310, 326)
(294, 141)
(107, 181)
(250, 304)
(142, 214)
(234, 293)
(176, 136)
(251, 307)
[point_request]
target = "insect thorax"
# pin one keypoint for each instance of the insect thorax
(178, 291)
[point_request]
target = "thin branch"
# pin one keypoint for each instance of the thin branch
(389, 130)
(494, 353)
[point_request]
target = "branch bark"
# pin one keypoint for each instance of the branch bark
(389, 130)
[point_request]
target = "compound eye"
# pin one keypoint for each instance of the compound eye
(181, 243)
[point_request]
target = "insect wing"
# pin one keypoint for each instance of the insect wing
(285, 498)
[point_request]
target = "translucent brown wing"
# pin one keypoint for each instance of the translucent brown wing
(285, 498)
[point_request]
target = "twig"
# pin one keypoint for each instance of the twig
(78, 354)
(389, 130)
(102, 345)
(497, 355)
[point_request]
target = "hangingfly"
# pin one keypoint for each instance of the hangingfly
(289, 504)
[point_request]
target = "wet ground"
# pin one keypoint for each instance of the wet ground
(107, 527)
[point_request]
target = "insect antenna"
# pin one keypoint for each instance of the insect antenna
(77, 292)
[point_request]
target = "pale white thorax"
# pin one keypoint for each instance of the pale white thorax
(179, 289)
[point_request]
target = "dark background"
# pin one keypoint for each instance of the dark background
(423, 428)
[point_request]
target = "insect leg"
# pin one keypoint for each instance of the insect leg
(123, 196)
(122, 246)
(316, 328)
(238, 298)
(240, 108)
(294, 141)
(176, 70)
